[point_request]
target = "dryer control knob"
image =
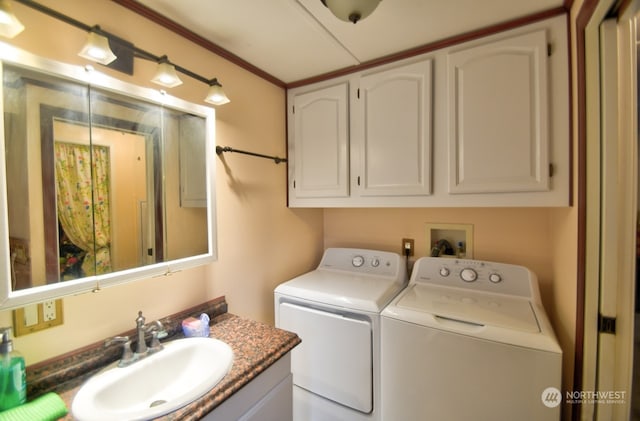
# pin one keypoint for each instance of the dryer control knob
(495, 278)
(375, 262)
(444, 272)
(468, 275)
(357, 261)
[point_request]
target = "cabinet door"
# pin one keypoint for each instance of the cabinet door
(498, 116)
(392, 132)
(320, 143)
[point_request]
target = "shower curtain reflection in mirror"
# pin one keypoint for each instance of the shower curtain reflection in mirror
(101, 193)
(82, 193)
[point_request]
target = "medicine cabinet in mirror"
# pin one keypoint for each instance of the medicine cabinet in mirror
(103, 182)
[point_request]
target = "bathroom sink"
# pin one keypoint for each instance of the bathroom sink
(156, 385)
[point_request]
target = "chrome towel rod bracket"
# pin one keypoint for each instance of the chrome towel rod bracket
(276, 159)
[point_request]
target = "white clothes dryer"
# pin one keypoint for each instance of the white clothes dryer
(469, 340)
(335, 309)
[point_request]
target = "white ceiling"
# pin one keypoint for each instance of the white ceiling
(294, 40)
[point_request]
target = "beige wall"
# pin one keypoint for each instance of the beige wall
(260, 241)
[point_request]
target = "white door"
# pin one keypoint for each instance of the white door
(617, 212)
(335, 358)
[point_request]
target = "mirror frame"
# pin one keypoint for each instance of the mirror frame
(13, 299)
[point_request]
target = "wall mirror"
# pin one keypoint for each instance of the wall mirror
(103, 182)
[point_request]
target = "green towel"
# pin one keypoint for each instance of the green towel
(48, 407)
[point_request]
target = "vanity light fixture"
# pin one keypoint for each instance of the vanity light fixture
(351, 10)
(97, 48)
(216, 95)
(10, 26)
(166, 74)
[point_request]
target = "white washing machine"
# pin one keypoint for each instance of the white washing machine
(335, 309)
(469, 340)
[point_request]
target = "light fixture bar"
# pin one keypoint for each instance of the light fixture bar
(138, 52)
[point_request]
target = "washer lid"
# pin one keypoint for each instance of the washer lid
(471, 307)
(353, 291)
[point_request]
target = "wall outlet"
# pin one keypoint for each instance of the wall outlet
(49, 310)
(407, 244)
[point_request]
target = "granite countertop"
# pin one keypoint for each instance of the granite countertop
(255, 346)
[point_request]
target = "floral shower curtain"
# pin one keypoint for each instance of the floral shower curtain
(83, 202)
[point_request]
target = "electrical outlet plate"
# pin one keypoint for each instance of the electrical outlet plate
(411, 243)
(453, 233)
(49, 311)
(49, 314)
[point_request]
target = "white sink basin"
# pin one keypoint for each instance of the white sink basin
(156, 385)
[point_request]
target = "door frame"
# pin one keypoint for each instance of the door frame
(610, 207)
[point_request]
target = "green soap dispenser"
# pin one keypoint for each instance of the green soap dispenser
(13, 377)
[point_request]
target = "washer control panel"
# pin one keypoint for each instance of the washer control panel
(474, 275)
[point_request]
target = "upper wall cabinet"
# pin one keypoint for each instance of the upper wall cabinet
(391, 127)
(483, 123)
(321, 130)
(498, 132)
(363, 140)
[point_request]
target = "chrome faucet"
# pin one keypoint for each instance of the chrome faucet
(128, 356)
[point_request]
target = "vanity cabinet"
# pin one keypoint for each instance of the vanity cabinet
(268, 397)
(482, 123)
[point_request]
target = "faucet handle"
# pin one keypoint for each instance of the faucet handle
(116, 339)
(157, 331)
(155, 345)
(155, 325)
(127, 355)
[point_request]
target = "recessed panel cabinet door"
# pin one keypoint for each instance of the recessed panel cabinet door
(498, 116)
(321, 143)
(392, 132)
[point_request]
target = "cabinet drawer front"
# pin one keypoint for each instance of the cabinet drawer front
(498, 116)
